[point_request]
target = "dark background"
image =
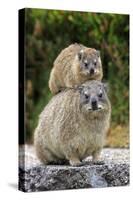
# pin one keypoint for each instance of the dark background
(49, 31)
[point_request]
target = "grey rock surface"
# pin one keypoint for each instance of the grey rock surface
(34, 176)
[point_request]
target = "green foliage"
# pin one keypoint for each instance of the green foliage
(49, 31)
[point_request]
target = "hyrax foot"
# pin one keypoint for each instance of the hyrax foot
(75, 162)
(96, 158)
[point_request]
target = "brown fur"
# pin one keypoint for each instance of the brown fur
(67, 130)
(67, 70)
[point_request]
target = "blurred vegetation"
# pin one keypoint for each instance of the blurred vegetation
(49, 31)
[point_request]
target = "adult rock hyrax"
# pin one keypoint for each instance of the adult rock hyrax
(75, 65)
(73, 125)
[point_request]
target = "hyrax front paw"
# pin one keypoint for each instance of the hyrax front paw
(96, 158)
(75, 162)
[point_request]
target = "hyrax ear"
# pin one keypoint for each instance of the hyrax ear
(98, 53)
(106, 87)
(80, 54)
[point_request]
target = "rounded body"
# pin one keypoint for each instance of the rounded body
(67, 130)
(73, 66)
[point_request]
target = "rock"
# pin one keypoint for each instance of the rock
(34, 176)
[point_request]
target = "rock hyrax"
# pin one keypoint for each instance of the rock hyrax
(75, 65)
(73, 125)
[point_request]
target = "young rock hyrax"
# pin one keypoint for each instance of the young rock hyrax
(73, 125)
(75, 65)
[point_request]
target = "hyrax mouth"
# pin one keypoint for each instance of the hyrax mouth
(98, 108)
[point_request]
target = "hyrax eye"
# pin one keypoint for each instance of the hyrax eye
(100, 94)
(95, 62)
(86, 96)
(85, 64)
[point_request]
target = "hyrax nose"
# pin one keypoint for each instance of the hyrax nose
(94, 103)
(92, 71)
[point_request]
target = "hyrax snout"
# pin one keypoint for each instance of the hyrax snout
(74, 124)
(75, 65)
